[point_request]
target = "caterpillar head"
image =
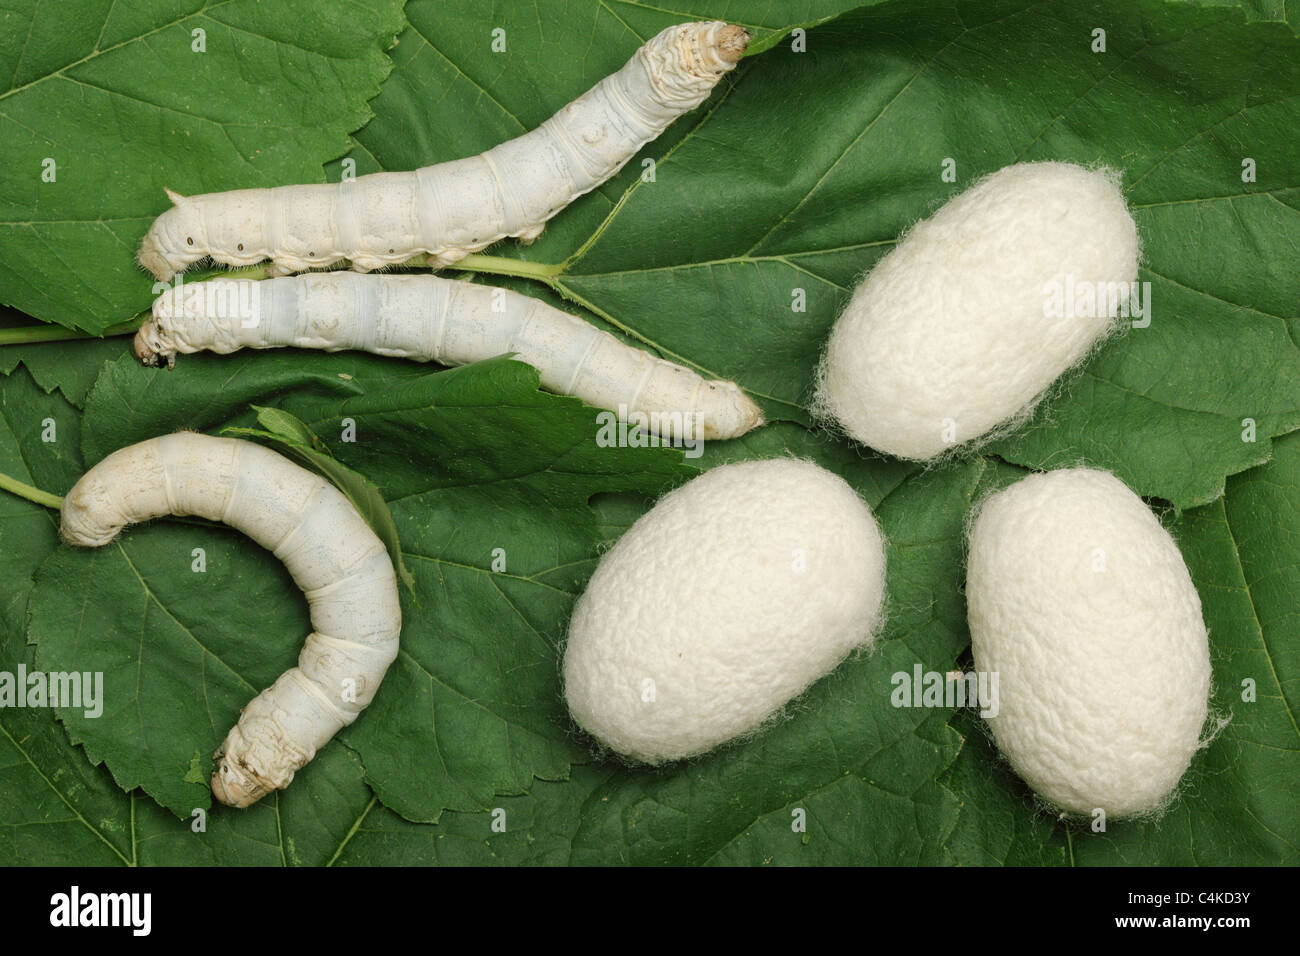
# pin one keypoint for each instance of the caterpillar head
(176, 240)
(151, 346)
(155, 339)
(251, 761)
(235, 786)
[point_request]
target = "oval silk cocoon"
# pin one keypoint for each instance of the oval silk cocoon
(721, 604)
(1082, 605)
(326, 545)
(978, 309)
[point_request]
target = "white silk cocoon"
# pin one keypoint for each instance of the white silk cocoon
(721, 604)
(954, 332)
(1081, 603)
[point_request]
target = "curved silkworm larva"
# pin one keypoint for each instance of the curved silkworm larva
(430, 319)
(332, 553)
(452, 209)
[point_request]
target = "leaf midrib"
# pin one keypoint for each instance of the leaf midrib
(66, 802)
(98, 52)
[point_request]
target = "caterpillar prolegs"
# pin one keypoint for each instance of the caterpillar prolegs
(332, 553)
(431, 319)
(452, 209)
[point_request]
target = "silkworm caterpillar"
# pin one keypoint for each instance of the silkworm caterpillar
(452, 209)
(431, 319)
(332, 553)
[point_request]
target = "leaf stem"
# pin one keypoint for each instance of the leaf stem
(510, 267)
(31, 334)
(24, 490)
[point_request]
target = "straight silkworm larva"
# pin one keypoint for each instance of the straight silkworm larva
(332, 553)
(452, 209)
(431, 319)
